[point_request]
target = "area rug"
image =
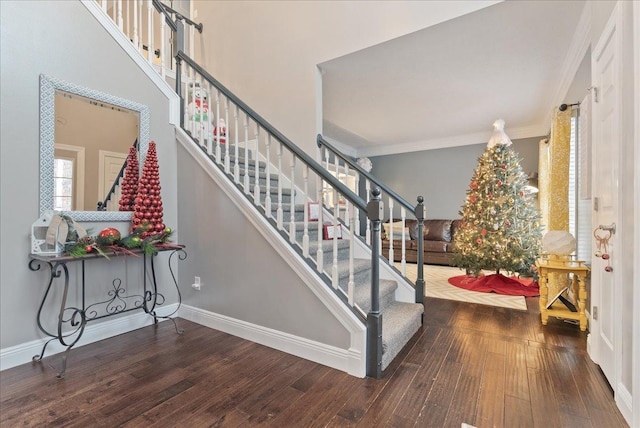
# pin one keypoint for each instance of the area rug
(437, 285)
(497, 283)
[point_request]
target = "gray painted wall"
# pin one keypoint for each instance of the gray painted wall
(64, 42)
(243, 276)
(442, 176)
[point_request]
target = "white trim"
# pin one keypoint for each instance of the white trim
(635, 352)
(447, 142)
(103, 18)
(23, 353)
(624, 401)
(78, 197)
(331, 301)
(348, 360)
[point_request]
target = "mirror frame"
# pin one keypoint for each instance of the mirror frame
(48, 87)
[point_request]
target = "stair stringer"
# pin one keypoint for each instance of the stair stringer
(353, 359)
(112, 29)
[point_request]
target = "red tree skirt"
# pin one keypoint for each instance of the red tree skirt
(497, 283)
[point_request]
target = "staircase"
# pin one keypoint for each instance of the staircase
(280, 181)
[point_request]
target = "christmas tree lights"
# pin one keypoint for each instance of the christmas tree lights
(500, 221)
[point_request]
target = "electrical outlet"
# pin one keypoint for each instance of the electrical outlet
(196, 283)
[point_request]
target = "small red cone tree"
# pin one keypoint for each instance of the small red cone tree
(147, 210)
(129, 186)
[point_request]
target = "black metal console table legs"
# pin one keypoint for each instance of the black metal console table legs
(72, 320)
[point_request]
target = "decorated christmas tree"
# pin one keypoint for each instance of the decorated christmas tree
(147, 210)
(500, 221)
(129, 186)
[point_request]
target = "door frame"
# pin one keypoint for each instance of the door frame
(635, 417)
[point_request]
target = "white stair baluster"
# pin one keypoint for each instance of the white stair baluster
(279, 213)
(357, 211)
(150, 31)
(246, 153)
(227, 166)
(351, 284)
(292, 205)
(140, 27)
(305, 232)
(391, 255)
(336, 206)
(367, 186)
(347, 218)
(120, 21)
(103, 3)
(256, 184)
(236, 150)
(192, 103)
(136, 38)
(334, 267)
(215, 132)
(163, 26)
(267, 199)
(319, 199)
(403, 259)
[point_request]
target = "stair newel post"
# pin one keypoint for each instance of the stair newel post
(374, 317)
(420, 238)
(179, 88)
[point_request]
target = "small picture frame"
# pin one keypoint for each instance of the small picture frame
(329, 231)
(313, 208)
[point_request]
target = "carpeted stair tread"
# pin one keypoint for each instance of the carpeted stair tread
(400, 321)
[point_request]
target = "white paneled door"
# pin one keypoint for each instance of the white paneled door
(606, 103)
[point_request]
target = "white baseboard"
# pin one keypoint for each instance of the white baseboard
(23, 353)
(624, 400)
(347, 360)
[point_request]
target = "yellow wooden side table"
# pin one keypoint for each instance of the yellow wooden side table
(563, 265)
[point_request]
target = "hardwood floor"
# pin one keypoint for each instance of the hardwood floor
(481, 365)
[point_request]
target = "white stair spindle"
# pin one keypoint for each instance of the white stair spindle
(351, 284)
(140, 27)
(120, 21)
(215, 133)
(267, 199)
(403, 259)
(357, 211)
(279, 212)
(136, 38)
(246, 153)
(227, 161)
(336, 165)
(103, 3)
(319, 199)
(334, 267)
(292, 205)
(367, 186)
(150, 31)
(236, 131)
(256, 184)
(347, 218)
(192, 103)
(305, 232)
(391, 232)
(163, 26)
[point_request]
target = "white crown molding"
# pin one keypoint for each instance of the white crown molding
(342, 147)
(23, 353)
(101, 16)
(447, 142)
(348, 360)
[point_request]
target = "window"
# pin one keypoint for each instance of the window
(63, 184)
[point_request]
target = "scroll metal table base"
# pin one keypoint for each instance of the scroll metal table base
(75, 319)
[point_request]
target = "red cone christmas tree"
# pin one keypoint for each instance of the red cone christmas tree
(147, 212)
(129, 186)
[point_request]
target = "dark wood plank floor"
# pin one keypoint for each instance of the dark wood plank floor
(485, 366)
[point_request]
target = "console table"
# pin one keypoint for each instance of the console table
(72, 320)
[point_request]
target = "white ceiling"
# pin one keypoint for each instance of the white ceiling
(445, 85)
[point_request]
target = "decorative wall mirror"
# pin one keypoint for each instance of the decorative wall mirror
(57, 100)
